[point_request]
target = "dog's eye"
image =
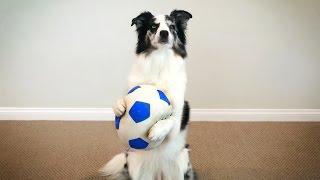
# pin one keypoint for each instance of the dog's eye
(172, 26)
(153, 26)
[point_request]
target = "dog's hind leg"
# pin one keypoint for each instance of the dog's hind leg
(116, 168)
(185, 164)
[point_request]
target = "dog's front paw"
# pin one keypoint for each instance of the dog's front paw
(158, 131)
(119, 108)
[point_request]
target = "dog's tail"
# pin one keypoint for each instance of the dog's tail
(116, 168)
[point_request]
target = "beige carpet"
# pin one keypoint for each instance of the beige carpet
(219, 150)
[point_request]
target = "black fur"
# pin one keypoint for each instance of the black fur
(145, 21)
(180, 18)
(125, 172)
(126, 164)
(185, 115)
(190, 175)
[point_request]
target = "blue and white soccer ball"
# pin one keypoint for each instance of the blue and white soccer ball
(145, 104)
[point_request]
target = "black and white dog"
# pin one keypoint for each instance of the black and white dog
(160, 61)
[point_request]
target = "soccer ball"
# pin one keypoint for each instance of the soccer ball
(145, 105)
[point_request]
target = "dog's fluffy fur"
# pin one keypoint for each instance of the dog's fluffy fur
(160, 61)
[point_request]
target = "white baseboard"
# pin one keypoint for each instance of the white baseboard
(68, 114)
(255, 115)
(106, 114)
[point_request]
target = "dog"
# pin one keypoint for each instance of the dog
(161, 54)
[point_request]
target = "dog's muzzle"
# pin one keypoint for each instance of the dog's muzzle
(163, 36)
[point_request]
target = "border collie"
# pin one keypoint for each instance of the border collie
(160, 61)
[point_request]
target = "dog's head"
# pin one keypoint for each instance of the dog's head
(163, 31)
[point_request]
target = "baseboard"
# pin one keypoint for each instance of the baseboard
(106, 114)
(255, 114)
(68, 114)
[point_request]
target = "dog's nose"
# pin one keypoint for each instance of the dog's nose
(164, 33)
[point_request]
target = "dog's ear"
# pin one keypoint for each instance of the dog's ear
(142, 19)
(181, 17)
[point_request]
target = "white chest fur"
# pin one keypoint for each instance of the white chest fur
(163, 69)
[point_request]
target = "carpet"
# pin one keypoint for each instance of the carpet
(219, 150)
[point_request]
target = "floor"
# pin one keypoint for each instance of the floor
(219, 150)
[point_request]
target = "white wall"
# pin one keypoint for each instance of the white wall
(242, 53)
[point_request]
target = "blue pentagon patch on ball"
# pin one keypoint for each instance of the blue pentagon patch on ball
(163, 97)
(133, 89)
(138, 143)
(117, 122)
(140, 111)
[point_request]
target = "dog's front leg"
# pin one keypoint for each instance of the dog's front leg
(169, 121)
(161, 129)
(119, 108)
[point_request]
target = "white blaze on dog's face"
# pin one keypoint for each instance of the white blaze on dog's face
(160, 34)
(163, 31)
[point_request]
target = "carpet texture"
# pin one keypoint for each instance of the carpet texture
(219, 150)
